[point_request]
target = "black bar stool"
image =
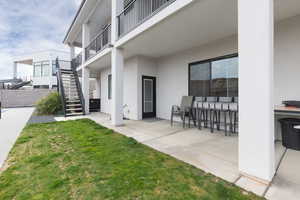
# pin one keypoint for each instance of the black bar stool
(208, 107)
(234, 110)
(221, 113)
(200, 111)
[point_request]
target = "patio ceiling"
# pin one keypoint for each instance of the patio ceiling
(199, 23)
(96, 13)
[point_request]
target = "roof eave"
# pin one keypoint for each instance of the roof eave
(74, 20)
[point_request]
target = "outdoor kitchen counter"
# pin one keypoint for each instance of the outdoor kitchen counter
(283, 110)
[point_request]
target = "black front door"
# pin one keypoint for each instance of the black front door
(149, 96)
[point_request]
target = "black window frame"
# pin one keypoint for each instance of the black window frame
(109, 80)
(234, 55)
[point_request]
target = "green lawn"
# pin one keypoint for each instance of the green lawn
(83, 160)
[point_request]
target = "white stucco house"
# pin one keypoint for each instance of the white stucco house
(43, 64)
(166, 46)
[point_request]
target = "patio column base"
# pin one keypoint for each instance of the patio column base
(256, 179)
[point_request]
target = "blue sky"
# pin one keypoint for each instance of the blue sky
(32, 25)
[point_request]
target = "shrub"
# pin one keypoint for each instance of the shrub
(49, 105)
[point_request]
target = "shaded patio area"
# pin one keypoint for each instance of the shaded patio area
(214, 153)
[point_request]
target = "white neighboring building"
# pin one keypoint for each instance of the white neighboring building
(44, 68)
(179, 47)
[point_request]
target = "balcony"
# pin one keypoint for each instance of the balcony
(137, 12)
(100, 42)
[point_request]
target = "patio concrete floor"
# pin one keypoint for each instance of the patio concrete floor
(214, 153)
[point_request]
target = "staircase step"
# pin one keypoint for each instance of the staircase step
(72, 97)
(68, 79)
(74, 109)
(72, 102)
(73, 105)
(66, 70)
(68, 74)
(70, 90)
(71, 93)
(74, 114)
(69, 84)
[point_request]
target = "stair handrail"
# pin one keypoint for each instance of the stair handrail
(79, 90)
(60, 86)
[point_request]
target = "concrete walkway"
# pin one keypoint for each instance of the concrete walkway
(11, 125)
(214, 153)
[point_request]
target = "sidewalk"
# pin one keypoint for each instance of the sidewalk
(11, 124)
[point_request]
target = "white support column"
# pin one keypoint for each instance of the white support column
(85, 84)
(117, 64)
(15, 70)
(117, 86)
(85, 39)
(256, 115)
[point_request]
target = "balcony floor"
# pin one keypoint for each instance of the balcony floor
(213, 153)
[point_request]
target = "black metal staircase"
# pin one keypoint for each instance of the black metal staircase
(69, 89)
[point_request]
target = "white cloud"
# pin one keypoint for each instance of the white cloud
(78, 2)
(32, 25)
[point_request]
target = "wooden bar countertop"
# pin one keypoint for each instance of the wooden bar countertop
(286, 109)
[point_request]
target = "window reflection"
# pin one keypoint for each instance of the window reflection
(216, 77)
(41, 69)
(225, 77)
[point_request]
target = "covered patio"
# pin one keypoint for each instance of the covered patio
(266, 55)
(214, 153)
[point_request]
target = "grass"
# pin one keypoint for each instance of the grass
(83, 160)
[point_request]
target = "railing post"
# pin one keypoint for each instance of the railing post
(119, 26)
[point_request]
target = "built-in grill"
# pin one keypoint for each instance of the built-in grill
(292, 103)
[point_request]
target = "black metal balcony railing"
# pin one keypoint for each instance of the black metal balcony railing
(99, 43)
(138, 11)
(77, 60)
